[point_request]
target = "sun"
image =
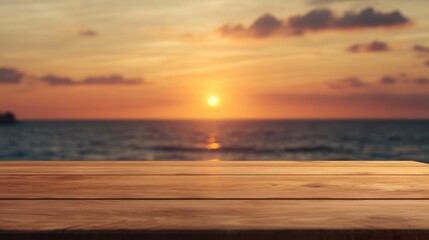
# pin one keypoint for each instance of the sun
(213, 101)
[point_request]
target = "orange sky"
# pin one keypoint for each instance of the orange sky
(264, 59)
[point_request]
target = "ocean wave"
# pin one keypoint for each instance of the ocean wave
(239, 149)
(311, 149)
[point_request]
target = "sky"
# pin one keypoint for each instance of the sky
(152, 59)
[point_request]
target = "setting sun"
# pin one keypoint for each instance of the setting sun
(213, 101)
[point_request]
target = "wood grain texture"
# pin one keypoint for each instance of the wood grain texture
(214, 200)
(303, 163)
(214, 215)
(233, 187)
(212, 168)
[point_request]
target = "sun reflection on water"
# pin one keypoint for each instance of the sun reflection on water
(213, 144)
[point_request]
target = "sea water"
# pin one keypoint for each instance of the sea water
(221, 140)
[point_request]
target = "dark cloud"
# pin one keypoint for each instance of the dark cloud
(374, 46)
(352, 82)
(318, 19)
(388, 80)
(370, 18)
(321, 2)
(326, 19)
(88, 33)
(421, 81)
(10, 76)
(53, 80)
(266, 25)
(421, 48)
(313, 20)
(377, 46)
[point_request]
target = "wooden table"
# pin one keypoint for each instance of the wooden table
(214, 200)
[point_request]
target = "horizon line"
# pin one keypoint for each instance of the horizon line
(223, 119)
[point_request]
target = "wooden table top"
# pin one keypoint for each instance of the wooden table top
(220, 199)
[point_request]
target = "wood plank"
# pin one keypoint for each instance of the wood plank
(214, 200)
(214, 215)
(297, 163)
(210, 168)
(263, 187)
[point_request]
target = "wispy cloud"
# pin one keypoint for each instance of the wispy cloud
(88, 33)
(421, 81)
(374, 46)
(14, 76)
(386, 80)
(351, 82)
(53, 80)
(423, 51)
(420, 48)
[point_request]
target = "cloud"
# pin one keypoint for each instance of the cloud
(421, 81)
(406, 79)
(88, 33)
(423, 52)
(56, 80)
(321, 2)
(421, 49)
(112, 80)
(10, 76)
(315, 20)
(366, 18)
(370, 18)
(53, 80)
(14, 76)
(265, 26)
(388, 80)
(351, 82)
(374, 46)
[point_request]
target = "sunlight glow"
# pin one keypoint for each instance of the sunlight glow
(213, 101)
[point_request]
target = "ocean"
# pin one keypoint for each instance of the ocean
(220, 140)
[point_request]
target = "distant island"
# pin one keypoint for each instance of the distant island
(7, 118)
